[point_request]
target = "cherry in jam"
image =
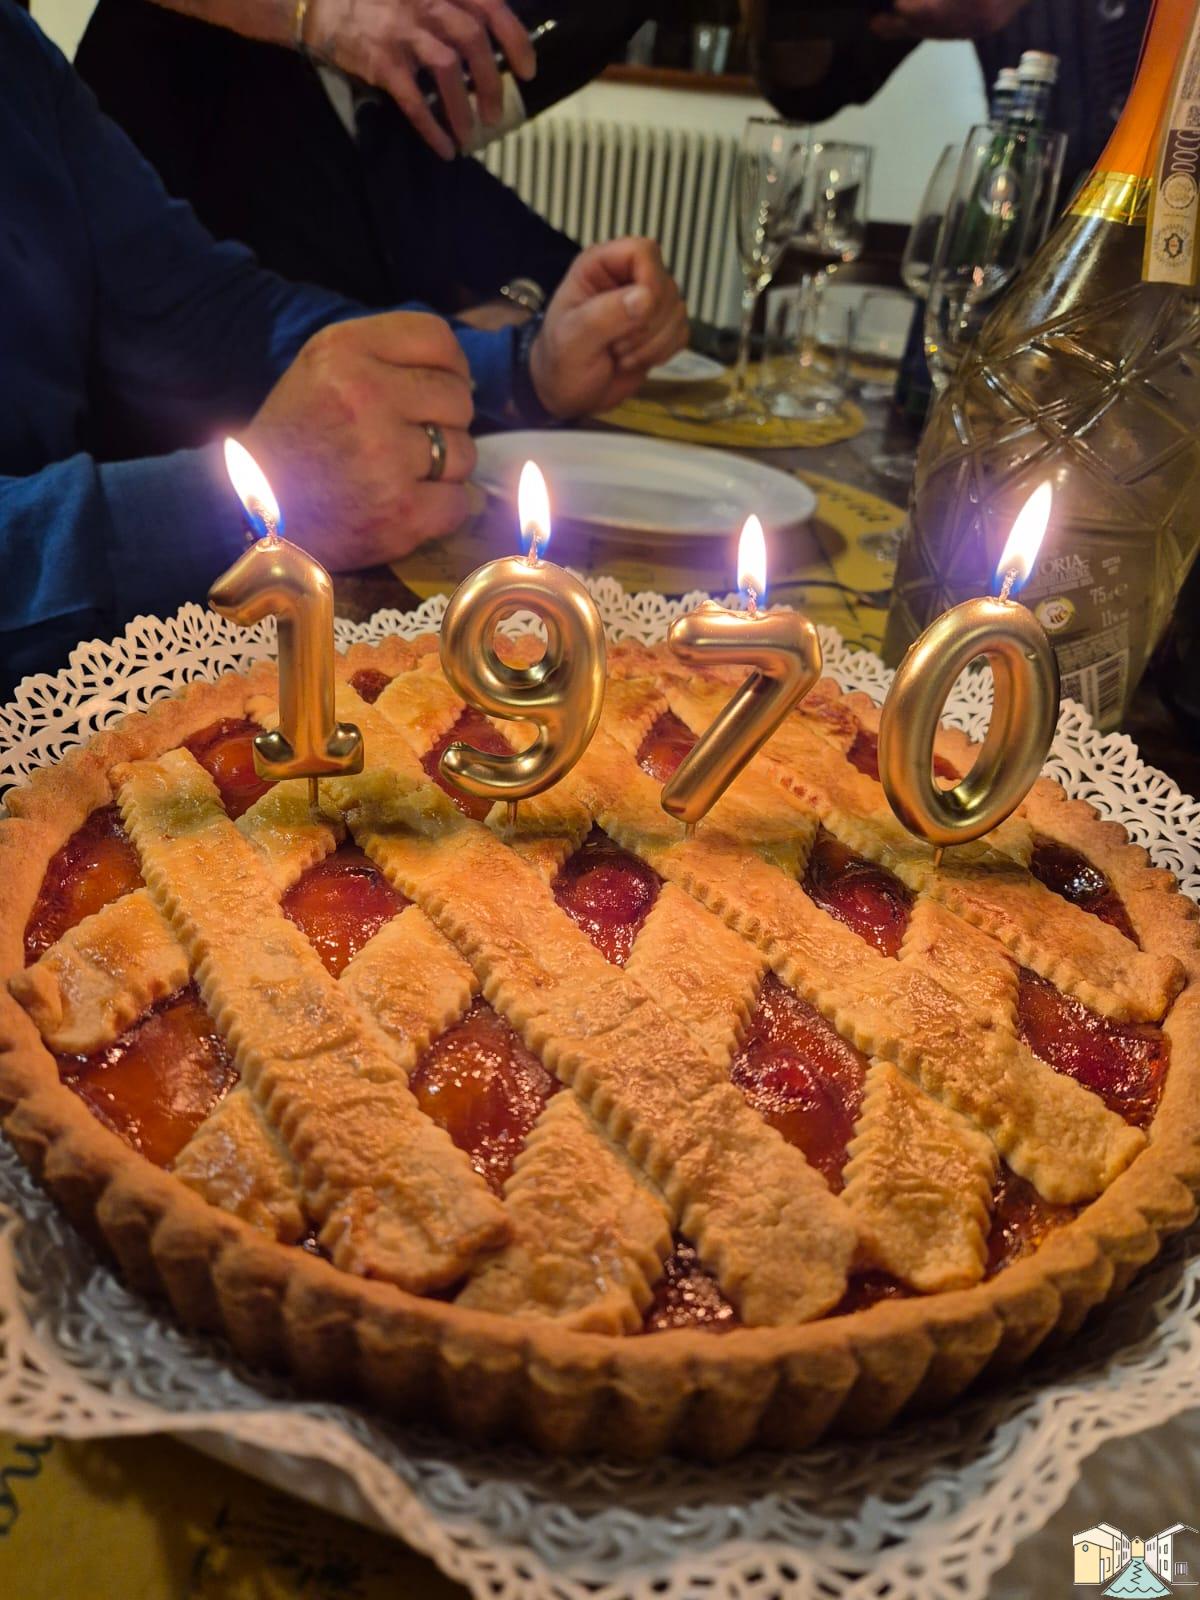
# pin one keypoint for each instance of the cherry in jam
(480, 1083)
(1073, 876)
(369, 683)
(864, 754)
(97, 864)
(225, 750)
(1122, 1062)
(341, 903)
(802, 1077)
(608, 893)
(665, 746)
(1021, 1219)
(858, 892)
(157, 1083)
(472, 728)
(688, 1296)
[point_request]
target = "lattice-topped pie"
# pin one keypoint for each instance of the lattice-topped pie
(583, 1130)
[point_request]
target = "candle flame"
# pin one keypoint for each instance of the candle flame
(1025, 540)
(252, 489)
(752, 559)
(533, 509)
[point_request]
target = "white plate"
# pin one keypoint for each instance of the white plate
(686, 366)
(621, 480)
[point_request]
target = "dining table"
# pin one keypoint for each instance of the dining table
(147, 1518)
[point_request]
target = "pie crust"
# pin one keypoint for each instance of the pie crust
(649, 1133)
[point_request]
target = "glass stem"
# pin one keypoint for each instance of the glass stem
(741, 372)
(810, 304)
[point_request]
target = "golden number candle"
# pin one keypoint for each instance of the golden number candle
(562, 694)
(1024, 708)
(276, 578)
(783, 649)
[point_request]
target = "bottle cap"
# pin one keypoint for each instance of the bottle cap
(1008, 78)
(1038, 66)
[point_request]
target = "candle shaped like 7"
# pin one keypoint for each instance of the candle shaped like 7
(785, 653)
(562, 694)
(1024, 706)
(276, 578)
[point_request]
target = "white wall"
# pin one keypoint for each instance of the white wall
(931, 99)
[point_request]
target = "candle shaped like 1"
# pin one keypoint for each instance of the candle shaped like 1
(1024, 707)
(276, 578)
(562, 694)
(783, 649)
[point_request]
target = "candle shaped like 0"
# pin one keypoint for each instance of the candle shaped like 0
(276, 578)
(785, 653)
(561, 694)
(1024, 707)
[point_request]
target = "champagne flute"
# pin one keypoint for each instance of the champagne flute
(1003, 198)
(832, 230)
(767, 180)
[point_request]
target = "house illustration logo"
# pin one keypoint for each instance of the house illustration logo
(1138, 1569)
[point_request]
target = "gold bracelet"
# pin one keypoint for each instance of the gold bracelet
(299, 18)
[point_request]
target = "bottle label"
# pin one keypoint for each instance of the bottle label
(1173, 222)
(1113, 196)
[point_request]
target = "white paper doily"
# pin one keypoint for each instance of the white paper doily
(929, 1512)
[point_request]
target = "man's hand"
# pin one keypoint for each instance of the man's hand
(945, 19)
(340, 438)
(387, 42)
(616, 314)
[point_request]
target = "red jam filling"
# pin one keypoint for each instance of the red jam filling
(369, 683)
(341, 903)
(157, 1083)
(688, 1296)
(665, 746)
(472, 728)
(225, 750)
(608, 893)
(1123, 1062)
(802, 1077)
(863, 895)
(864, 754)
(480, 1083)
(1021, 1219)
(867, 1289)
(1075, 878)
(97, 864)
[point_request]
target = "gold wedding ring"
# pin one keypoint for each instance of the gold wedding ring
(437, 451)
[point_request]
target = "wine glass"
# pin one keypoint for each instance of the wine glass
(920, 247)
(1005, 187)
(832, 229)
(768, 175)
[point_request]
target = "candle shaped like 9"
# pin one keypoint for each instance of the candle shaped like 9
(783, 649)
(276, 578)
(562, 694)
(1024, 707)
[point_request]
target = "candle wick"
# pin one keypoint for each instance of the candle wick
(751, 601)
(1010, 578)
(531, 555)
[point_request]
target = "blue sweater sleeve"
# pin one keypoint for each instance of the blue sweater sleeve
(183, 338)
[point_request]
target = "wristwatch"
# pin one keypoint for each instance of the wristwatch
(526, 293)
(524, 391)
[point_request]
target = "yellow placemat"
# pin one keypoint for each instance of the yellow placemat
(150, 1519)
(677, 412)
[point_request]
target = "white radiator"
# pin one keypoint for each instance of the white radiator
(599, 180)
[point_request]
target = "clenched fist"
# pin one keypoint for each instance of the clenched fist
(341, 437)
(616, 314)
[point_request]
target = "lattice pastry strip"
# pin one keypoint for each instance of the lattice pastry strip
(392, 1195)
(985, 883)
(110, 968)
(235, 1160)
(1050, 1129)
(918, 1183)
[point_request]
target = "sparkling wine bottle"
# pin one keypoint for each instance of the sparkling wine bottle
(1087, 374)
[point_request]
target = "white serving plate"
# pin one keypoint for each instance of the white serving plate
(622, 480)
(687, 366)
